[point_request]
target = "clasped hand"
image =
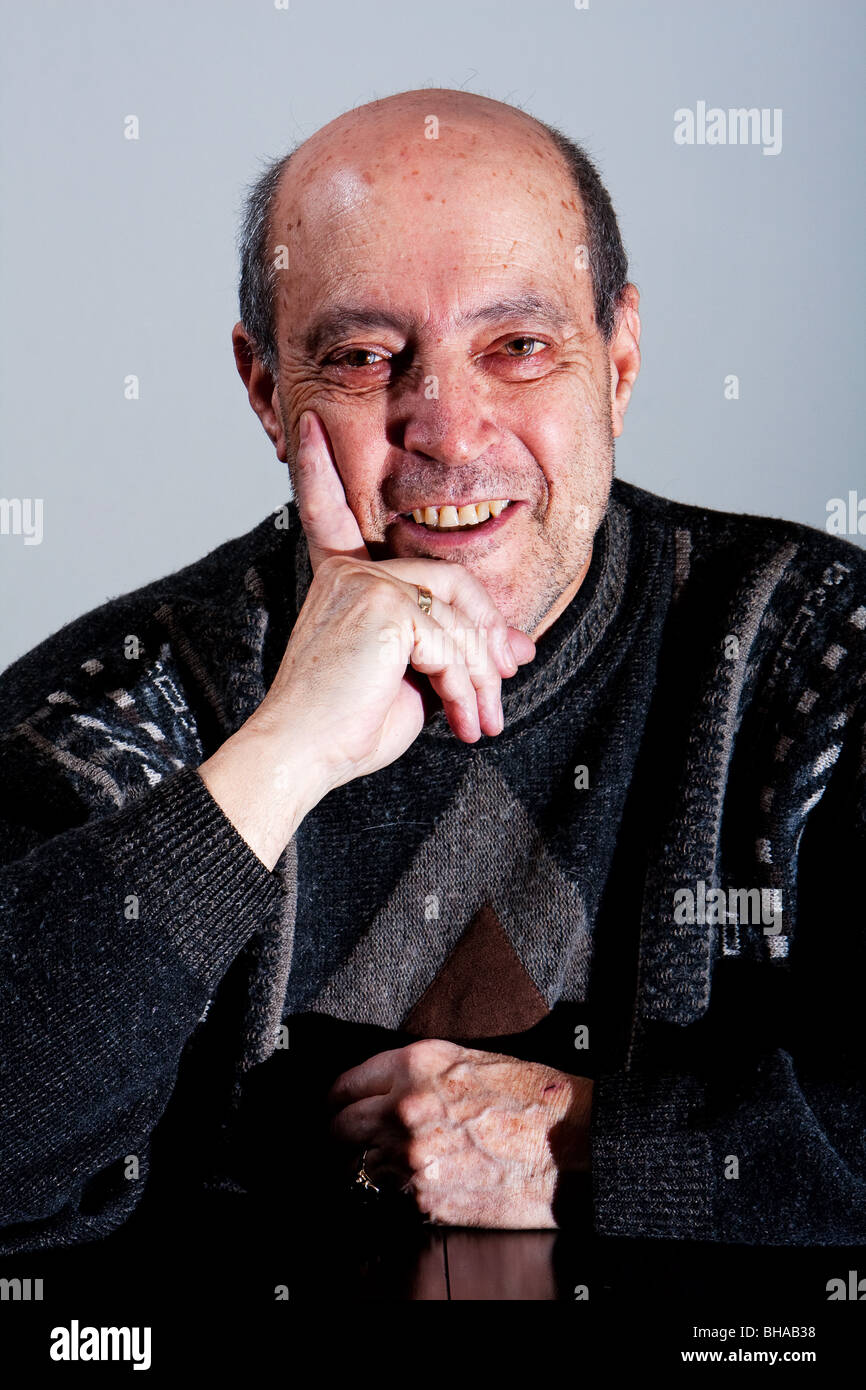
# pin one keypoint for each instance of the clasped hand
(478, 1139)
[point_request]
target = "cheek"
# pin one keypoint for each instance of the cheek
(354, 426)
(357, 437)
(566, 434)
(551, 428)
(301, 393)
(575, 411)
(358, 443)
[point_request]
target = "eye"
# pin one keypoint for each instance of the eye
(344, 359)
(523, 345)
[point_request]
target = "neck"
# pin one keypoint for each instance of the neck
(562, 602)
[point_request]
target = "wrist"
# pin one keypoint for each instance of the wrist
(265, 783)
(570, 1137)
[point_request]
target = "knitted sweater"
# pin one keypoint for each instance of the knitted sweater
(650, 877)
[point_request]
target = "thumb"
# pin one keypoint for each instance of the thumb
(328, 521)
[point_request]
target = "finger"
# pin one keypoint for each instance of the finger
(436, 655)
(387, 1168)
(454, 584)
(480, 659)
(414, 640)
(454, 653)
(329, 523)
(384, 1163)
(364, 1121)
(470, 697)
(375, 1077)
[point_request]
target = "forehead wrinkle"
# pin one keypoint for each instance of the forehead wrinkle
(348, 177)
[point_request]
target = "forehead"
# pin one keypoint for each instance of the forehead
(427, 224)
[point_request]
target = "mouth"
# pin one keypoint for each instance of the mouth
(462, 518)
(448, 525)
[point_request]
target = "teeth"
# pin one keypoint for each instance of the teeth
(445, 518)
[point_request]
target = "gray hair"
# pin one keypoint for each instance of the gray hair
(606, 255)
(258, 280)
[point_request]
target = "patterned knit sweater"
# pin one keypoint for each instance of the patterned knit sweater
(650, 877)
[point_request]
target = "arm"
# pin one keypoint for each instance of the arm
(749, 1127)
(125, 893)
(116, 924)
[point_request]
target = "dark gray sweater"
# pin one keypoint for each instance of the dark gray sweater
(663, 847)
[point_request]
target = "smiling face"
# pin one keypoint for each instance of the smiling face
(437, 316)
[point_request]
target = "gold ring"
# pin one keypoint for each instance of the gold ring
(362, 1177)
(425, 599)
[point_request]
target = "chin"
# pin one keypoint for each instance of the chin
(525, 613)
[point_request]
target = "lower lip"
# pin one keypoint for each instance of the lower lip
(406, 528)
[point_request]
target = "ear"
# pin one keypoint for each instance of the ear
(624, 356)
(261, 389)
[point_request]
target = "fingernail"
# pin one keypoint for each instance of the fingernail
(509, 653)
(304, 427)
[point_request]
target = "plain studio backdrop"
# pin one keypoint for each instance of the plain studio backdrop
(118, 255)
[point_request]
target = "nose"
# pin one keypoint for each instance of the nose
(447, 417)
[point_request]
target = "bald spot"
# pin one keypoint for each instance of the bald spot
(357, 162)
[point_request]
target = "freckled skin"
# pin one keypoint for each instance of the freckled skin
(373, 213)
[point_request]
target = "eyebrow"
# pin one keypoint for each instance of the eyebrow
(348, 318)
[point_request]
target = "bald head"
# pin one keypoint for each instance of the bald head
(450, 123)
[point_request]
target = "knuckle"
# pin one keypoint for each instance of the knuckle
(433, 1054)
(329, 564)
(335, 567)
(310, 511)
(469, 583)
(420, 1161)
(477, 647)
(421, 1057)
(415, 1053)
(408, 1110)
(364, 583)
(450, 652)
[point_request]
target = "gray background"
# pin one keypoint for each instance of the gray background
(118, 256)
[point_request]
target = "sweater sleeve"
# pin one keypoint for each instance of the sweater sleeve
(750, 1127)
(125, 894)
(766, 1157)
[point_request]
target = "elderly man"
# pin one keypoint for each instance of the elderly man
(480, 822)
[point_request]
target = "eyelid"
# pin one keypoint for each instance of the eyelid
(367, 347)
(332, 358)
